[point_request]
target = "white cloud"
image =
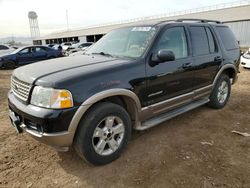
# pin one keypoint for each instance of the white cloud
(52, 13)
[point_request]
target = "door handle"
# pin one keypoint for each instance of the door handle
(218, 59)
(187, 65)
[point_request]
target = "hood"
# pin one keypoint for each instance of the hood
(246, 55)
(6, 52)
(83, 64)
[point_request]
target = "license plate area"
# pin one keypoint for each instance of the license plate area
(15, 121)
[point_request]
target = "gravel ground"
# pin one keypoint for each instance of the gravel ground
(196, 149)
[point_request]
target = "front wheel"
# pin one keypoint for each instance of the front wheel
(9, 64)
(220, 93)
(103, 133)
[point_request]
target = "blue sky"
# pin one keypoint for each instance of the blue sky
(81, 13)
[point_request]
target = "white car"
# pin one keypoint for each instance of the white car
(78, 47)
(66, 45)
(245, 59)
(5, 49)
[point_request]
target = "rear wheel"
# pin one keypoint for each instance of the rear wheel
(103, 133)
(220, 93)
(9, 64)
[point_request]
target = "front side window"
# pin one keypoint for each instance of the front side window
(174, 39)
(125, 42)
(25, 51)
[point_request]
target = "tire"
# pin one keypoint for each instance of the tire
(220, 93)
(106, 120)
(9, 65)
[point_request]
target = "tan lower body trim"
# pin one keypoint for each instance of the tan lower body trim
(170, 104)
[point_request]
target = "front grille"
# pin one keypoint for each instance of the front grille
(20, 88)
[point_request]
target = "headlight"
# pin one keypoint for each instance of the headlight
(51, 98)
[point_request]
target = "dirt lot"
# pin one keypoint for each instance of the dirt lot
(169, 155)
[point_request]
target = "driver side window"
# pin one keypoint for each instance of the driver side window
(25, 51)
(174, 39)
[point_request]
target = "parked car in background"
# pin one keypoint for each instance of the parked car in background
(245, 59)
(57, 47)
(80, 52)
(78, 47)
(84, 45)
(50, 45)
(4, 49)
(66, 45)
(26, 55)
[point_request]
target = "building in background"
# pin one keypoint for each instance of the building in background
(236, 15)
(34, 27)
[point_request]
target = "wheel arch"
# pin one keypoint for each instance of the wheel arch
(8, 61)
(229, 70)
(129, 99)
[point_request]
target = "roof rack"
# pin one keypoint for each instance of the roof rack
(165, 21)
(199, 20)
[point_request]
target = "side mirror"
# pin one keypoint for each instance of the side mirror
(241, 53)
(162, 56)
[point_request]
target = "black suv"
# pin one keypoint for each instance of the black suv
(133, 78)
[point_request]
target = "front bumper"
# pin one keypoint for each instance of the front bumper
(45, 125)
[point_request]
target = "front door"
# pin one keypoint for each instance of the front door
(25, 56)
(172, 79)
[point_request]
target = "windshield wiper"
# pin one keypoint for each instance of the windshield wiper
(103, 53)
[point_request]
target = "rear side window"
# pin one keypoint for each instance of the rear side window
(211, 41)
(199, 41)
(228, 39)
(39, 49)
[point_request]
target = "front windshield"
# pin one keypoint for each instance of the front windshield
(247, 54)
(16, 51)
(126, 42)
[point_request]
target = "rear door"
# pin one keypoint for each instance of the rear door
(40, 54)
(206, 54)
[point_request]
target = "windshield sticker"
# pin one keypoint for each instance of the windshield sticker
(141, 29)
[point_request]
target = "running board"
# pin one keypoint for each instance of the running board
(169, 115)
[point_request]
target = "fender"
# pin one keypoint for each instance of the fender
(224, 67)
(98, 97)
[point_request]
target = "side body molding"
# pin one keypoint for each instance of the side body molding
(98, 97)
